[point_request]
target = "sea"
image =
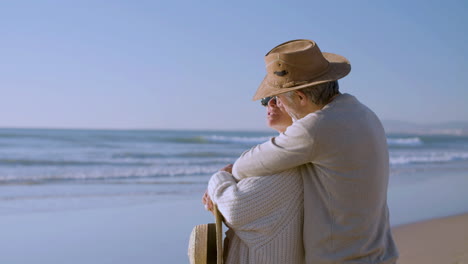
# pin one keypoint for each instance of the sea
(65, 169)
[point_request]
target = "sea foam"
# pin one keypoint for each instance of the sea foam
(426, 157)
(412, 141)
(233, 139)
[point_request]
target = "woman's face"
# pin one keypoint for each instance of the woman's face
(277, 117)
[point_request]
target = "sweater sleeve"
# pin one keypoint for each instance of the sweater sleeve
(290, 149)
(242, 203)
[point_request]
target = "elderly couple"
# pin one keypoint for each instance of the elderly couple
(316, 193)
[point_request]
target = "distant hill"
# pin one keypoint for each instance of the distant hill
(445, 128)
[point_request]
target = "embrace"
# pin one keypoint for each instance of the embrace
(317, 192)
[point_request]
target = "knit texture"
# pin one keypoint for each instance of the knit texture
(265, 215)
(343, 154)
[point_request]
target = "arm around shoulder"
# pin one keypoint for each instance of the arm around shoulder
(290, 149)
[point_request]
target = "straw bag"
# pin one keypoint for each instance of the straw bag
(205, 244)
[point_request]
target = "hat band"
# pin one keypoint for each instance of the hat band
(297, 83)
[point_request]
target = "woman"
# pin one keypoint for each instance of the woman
(264, 214)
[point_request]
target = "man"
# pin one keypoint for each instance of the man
(340, 146)
(264, 214)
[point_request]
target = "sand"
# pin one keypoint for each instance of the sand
(436, 241)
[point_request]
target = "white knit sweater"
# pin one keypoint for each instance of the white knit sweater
(266, 215)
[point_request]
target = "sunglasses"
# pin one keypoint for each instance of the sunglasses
(265, 100)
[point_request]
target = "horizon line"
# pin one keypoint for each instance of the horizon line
(135, 129)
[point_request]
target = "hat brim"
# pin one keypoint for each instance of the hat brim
(338, 68)
(206, 241)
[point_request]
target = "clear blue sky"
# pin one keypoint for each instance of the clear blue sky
(197, 64)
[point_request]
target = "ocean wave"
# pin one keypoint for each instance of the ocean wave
(232, 139)
(136, 155)
(206, 154)
(196, 140)
(193, 154)
(412, 141)
(33, 162)
(428, 157)
(44, 136)
(109, 198)
(112, 174)
(213, 139)
(193, 160)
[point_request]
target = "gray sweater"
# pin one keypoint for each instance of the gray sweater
(344, 151)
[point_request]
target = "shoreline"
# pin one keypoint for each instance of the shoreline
(436, 240)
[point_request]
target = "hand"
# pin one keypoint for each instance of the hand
(206, 200)
(228, 168)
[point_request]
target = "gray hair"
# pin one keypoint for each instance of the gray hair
(319, 94)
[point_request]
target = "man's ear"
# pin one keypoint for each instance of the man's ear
(302, 97)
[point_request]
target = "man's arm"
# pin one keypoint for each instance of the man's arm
(290, 149)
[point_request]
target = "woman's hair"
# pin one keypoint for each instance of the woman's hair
(319, 94)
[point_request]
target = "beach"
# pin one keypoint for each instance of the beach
(158, 232)
(436, 241)
(78, 196)
(144, 232)
(114, 115)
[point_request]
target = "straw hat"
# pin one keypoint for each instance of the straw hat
(205, 244)
(202, 244)
(298, 64)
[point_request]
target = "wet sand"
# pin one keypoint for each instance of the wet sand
(157, 230)
(436, 241)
